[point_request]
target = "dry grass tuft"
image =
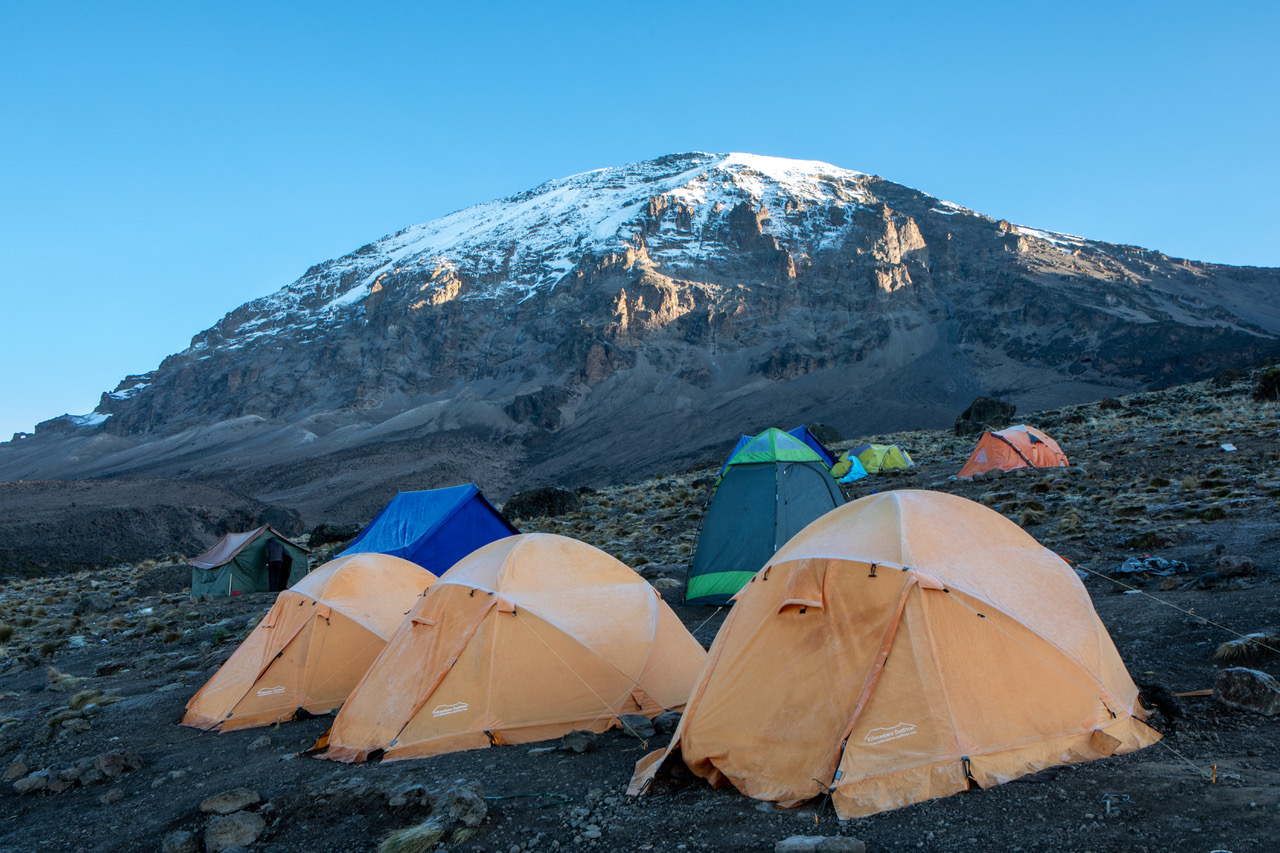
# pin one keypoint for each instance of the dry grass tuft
(462, 834)
(414, 839)
(1031, 517)
(84, 697)
(171, 636)
(60, 682)
(1249, 648)
(1070, 521)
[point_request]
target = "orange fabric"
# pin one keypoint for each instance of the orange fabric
(313, 646)
(527, 638)
(1015, 447)
(967, 640)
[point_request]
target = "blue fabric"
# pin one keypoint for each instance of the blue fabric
(856, 470)
(742, 442)
(802, 432)
(433, 528)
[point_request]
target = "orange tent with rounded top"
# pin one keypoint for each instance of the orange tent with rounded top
(525, 639)
(314, 644)
(897, 649)
(1019, 446)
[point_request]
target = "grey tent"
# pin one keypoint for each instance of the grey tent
(238, 563)
(771, 488)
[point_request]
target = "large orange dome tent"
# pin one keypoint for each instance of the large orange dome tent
(312, 647)
(897, 648)
(525, 639)
(1019, 446)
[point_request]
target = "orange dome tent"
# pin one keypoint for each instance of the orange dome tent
(897, 648)
(525, 639)
(1016, 447)
(311, 648)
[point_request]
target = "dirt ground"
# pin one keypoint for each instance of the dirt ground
(1150, 477)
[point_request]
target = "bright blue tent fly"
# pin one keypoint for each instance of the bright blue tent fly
(434, 528)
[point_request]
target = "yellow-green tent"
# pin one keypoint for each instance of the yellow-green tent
(878, 458)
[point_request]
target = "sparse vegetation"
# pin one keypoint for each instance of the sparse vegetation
(414, 839)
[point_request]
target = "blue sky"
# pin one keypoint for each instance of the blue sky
(162, 163)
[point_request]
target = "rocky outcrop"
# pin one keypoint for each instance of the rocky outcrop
(56, 526)
(984, 413)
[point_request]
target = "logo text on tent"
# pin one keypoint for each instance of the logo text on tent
(446, 710)
(271, 691)
(885, 735)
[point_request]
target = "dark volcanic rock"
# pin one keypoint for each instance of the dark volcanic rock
(537, 503)
(1268, 388)
(984, 413)
(328, 534)
(826, 434)
(1249, 690)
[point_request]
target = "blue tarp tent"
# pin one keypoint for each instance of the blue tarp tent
(434, 529)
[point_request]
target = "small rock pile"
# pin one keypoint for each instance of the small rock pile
(87, 771)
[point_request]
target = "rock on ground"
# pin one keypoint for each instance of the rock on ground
(1249, 690)
(637, 725)
(537, 503)
(230, 801)
(226, 831)
(180, 841)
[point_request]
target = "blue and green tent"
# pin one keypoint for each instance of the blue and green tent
(803, 433)
(771, 488)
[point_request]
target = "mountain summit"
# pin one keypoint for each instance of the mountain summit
(623, 320)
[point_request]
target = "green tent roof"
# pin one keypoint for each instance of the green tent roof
(774, 445)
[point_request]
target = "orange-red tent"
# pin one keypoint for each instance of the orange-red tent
(313, 645)
(897, 648)
(525, 639)
(1016, 447)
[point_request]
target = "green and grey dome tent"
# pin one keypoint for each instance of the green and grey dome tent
(771, 488)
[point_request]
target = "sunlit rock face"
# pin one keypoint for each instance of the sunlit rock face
(617, 322)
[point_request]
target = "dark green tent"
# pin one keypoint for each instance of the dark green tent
(772, 487)
(238, 563)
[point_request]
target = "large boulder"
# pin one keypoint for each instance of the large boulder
(328, 534)
(825, 433)
(1248, 690)
(234, 830)
(985, 413)
(1268, 387)
(537, 503)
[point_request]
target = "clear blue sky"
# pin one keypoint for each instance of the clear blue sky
(162, 163)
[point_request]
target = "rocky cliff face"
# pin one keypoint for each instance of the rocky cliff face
(624, 320)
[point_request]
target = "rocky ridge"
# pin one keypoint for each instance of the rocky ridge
(699, 291)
